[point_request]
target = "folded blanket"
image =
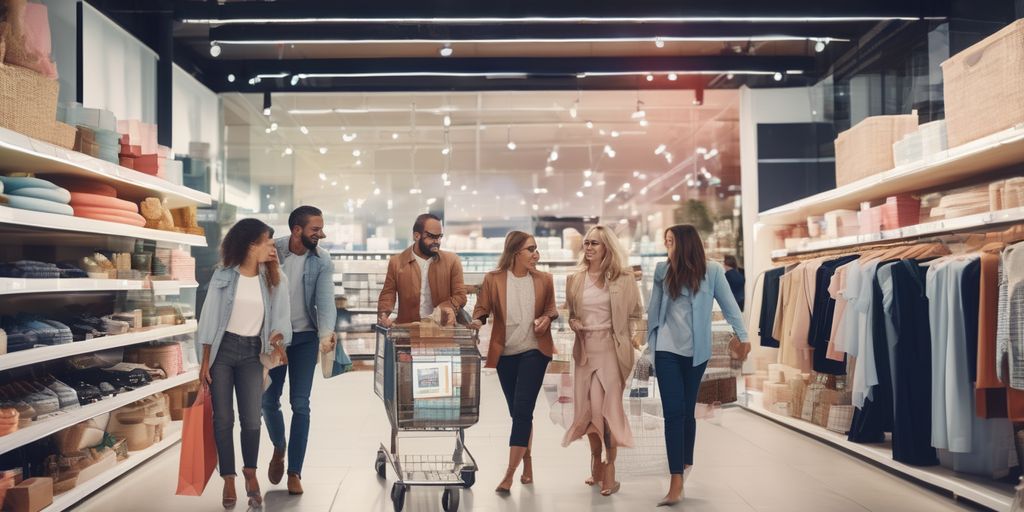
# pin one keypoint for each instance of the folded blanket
(96, 200)
(57, 195)
(84, 185)
(131, 219)
(38, 205)
(12, 184)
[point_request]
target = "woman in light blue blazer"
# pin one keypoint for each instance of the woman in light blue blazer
(247, 313)
(679, 333)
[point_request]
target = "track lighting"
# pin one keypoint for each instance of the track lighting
(214, 50)
(446, 51)
(266, 103)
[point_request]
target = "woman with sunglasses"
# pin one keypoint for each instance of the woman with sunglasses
(679, 333)
(604, 308)
(522, 300)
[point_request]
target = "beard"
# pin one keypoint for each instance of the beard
(428, 250)
(309, 243)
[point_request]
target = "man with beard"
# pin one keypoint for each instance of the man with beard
(423, 277)
(314, 315)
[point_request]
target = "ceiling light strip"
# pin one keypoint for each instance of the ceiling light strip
(304, 76)
(538, 40)
(568, 19)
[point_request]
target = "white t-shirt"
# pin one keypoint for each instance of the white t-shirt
(294, 267)
(426, 302)
(521, 304)
(247, 310)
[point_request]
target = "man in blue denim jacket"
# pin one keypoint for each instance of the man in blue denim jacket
(314, 315)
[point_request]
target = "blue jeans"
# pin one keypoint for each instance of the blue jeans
(302, 356)
(521, 377)
(237, 368)
(678, 383)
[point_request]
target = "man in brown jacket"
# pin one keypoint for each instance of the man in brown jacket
(422, 277)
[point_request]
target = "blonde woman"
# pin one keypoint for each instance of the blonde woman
(604, 308)
(522, 300)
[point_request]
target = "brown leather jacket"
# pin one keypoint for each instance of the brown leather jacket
(492, 300)
(402, 283)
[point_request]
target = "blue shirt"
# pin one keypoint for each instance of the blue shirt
(317, 286)
(677, 335)
(714, 287)
(220, 299)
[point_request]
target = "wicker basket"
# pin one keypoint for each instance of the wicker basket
(984, 86)
(28, 105)
(866, 149)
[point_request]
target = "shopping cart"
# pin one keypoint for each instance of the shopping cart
(429, 380)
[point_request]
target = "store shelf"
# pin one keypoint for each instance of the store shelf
(171, 287)
(53, 221)
(995, 151)
(970, 222)
(19, 153)
(42, 354)
(987, 493)
(80, 492)
(19, 286)
(46, 427)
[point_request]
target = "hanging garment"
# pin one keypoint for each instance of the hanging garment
(875, 417)
(1011, 325)
(993, 398)
(769, 304)
(970, 288)
(912, 391)
(822, 314)
(951, 390)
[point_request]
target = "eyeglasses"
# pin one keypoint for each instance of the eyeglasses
(435, 236)
(588, 243)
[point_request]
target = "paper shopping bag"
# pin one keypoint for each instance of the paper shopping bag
(198, 450)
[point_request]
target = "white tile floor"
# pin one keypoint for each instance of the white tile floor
(744, 463)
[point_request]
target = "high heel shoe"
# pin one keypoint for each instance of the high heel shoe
(229, 499)
(252, 489)
(527, 477)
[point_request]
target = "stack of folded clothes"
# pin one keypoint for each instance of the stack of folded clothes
(86, 327)
(40, 270)
(98, 201)
(27, 193)
(183, 266)
(139, 148)
(28, 331)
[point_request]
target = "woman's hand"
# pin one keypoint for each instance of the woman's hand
(576, 325)
(204, 375)
(541, 325)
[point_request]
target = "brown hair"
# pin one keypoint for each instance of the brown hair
(235, 247)
(514, 242)
(687, 263)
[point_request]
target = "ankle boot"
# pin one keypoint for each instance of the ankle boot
(294, 484)
(276, 470)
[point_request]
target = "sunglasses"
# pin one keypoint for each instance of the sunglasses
(589, 243)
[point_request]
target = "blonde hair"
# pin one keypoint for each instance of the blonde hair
(614, 262)
(514, 241)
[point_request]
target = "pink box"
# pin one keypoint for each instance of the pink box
(900, 211)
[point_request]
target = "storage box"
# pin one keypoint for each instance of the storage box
(984, 86)
(901, 211)
(840, 418)
(840, 223)
(31, 495)
(866, 149)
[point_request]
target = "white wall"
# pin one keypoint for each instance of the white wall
(63, 16)
(120, 71)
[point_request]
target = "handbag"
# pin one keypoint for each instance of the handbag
(644, 369)
(166, 356)
(335, 362)
(80, 436)
(737, 349)
(198, 449)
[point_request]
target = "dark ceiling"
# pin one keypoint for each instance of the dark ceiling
(504, 45)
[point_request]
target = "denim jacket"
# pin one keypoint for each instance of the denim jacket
(318, 281)
(213, 320)
(714, 286)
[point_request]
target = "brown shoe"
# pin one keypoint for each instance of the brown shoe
(276, 470)
(294, 483)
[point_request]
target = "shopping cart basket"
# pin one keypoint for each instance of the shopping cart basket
(429, 380)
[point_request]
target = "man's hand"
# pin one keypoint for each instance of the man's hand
(541, 324)
(447, 316)
(384, 320)
(327, 343)
(476, 325)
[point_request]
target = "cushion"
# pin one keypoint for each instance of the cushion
(116, 216)
(84, 185)
(14, 183)
(57, 195)
(38, 205)
(96, 200)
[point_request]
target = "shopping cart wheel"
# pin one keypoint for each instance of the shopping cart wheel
(469, 477)
(381, 464)
(450, 499)
(398, 496)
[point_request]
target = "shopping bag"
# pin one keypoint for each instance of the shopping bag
(198, 450)
(335, 362)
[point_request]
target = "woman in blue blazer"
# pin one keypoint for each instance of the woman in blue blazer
(679, 333)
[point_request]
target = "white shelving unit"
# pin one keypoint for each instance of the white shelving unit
(49, 426)
(18, 286)
(81, 491)
(43, 354)
(19, 152)
(53, 221)
(966, 223)
(998, 150)
(978, 490)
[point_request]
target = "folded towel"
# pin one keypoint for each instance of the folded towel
(57, 195)
(38, 205)
(12, 184)
(96, 200)
(84, 185)
(131, 219)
